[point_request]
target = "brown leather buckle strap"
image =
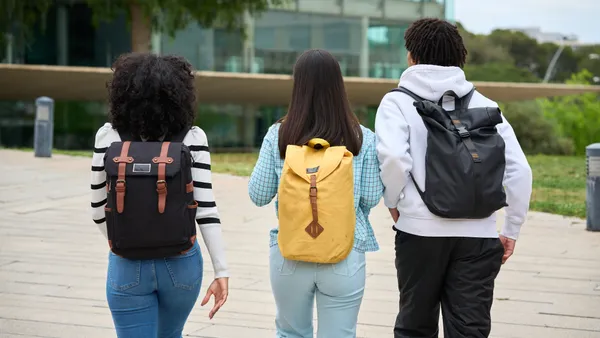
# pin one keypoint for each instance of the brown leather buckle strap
(193, 241)
(161, 183)
(120, 186)
(314, 229)
(313, 198)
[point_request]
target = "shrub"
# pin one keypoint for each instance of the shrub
(576, 116)
(536, 134)
(499, 72)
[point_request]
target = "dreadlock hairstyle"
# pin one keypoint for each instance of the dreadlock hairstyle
(435, 42)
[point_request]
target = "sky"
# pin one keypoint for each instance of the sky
(579, 17)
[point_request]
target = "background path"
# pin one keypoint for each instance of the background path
(53, 265)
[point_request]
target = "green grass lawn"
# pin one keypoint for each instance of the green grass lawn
(559, 184)
(558, 181)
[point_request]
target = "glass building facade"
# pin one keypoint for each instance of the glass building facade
(366, 36)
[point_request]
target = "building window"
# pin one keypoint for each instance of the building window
(387, 54)
(337, 36)
(227, 50)
(377, 35)
(299, 37)
(280, 37)
(264, 38)
(81, 37)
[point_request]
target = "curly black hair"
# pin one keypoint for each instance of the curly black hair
(151, 96)
(435, 42)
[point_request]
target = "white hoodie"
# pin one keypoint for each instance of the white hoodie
(401, 148)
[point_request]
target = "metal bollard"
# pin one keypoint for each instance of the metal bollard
(44, 127)
(593, 186)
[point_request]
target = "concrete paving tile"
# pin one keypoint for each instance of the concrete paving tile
(65, 316)
(501, 329)
(53, 330)
(230, 331)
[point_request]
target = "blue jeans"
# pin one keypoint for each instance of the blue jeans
(153, 298)
(338, 289)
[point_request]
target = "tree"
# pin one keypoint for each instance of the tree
(523, 49)
(17, 17)
(482, 51)
(169, 16)
(566, 65)
(166, 16)
(498, 72)
(528, 54)
(588, 57)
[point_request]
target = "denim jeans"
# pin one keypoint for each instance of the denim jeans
(153, 298)
(338, 289)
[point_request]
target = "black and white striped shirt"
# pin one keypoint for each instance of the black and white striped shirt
(207, 215)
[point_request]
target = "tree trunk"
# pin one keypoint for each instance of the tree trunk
(141, 29)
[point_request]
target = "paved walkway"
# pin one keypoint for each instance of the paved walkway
(53, 265)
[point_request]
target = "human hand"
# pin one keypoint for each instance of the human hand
(509, 247)
(395, 214)
(219, 288)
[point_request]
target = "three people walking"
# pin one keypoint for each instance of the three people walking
(443, 157)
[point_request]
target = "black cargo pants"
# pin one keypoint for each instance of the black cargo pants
(455, 274)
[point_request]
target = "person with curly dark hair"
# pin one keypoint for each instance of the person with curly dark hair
(152, 98)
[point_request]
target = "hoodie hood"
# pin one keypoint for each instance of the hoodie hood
(431, 82)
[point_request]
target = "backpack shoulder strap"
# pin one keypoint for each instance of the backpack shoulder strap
(464, 101)
(408, 92)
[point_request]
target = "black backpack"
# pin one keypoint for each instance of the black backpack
(150, 210)
(465, 158)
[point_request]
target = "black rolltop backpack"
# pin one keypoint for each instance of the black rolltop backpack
(150, 210)
(465, 159)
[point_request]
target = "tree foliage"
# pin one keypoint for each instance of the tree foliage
(169, 16)
(524, 50)
(482, 51)
(536, 133)
(506, 55)
(499, 72)
(577, 117)
(561, 125)
(18, 17)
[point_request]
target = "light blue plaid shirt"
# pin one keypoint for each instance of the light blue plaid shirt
(368, 187)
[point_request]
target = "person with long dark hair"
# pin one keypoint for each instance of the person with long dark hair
(319, 110)
(152, 101)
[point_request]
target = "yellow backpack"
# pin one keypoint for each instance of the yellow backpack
(316, 203)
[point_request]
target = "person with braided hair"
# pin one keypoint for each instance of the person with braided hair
(438, 140)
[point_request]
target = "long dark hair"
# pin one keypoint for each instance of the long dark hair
(151, 96)
(319, 105)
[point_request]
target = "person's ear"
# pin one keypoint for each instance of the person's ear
(409, 58)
